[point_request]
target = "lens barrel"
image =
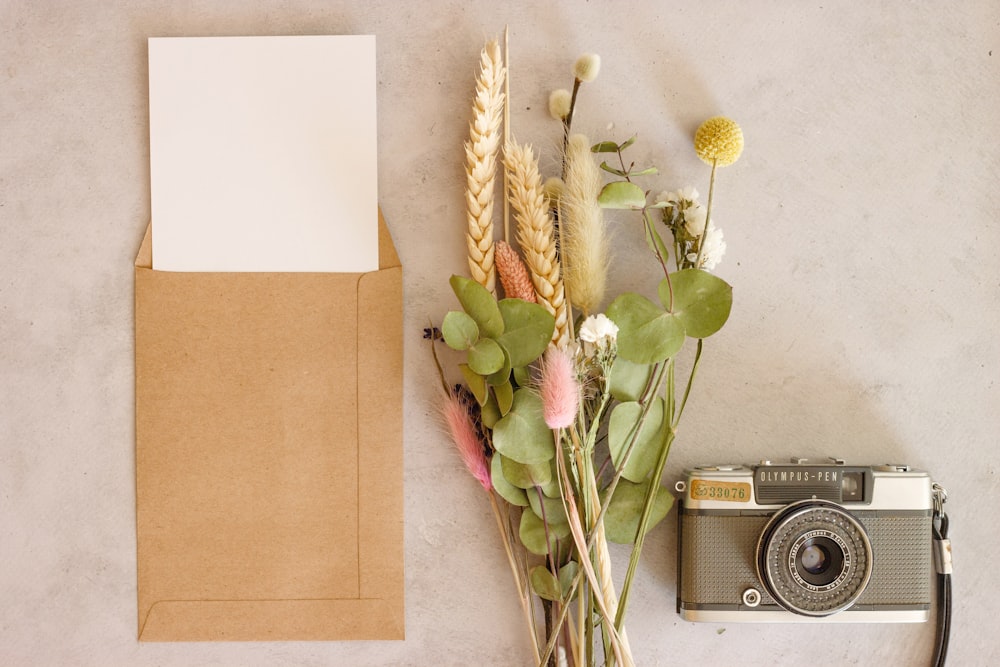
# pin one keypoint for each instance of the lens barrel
(814, 558)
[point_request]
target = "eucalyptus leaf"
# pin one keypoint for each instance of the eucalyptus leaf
(527, 331)
(522, 433)
(459, 330)
(613, 170)
(648, 171)
(702, 301)
(479, 304)
(567, 573)
(621, 521)
(622, 195)
(551, 488)
(505, 397)
(646, 333)
(521, 375)
(544, 584)
(476, 383)
(490, 411)
(549, 508)
(532, 532)
(628, 379)
(502, 376)
(507, 491)
(604, 147)
(486, 357)
(524, 475)
(648, 441)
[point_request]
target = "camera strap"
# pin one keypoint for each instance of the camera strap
(942, 564)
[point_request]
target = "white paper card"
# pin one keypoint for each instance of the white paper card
(263, 153)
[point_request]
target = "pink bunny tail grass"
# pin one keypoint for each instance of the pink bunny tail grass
(466, 439)
(558, 388)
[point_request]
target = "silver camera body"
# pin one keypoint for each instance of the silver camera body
(805, 542)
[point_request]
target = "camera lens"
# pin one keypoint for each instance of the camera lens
(814, 558)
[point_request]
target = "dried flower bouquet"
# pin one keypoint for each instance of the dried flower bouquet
(567, 424)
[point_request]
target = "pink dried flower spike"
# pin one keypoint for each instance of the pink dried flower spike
(466, 439)
(559, 389)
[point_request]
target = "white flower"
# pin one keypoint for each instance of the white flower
(598, 329)
(694, 219)
(688, 194)
(714, 249)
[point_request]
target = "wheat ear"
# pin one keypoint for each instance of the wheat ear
(585, 250)
(481, 163)
(513, 274)
(536, 235)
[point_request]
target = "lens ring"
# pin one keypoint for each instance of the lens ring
(823, 580)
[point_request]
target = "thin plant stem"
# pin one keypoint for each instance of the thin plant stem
(525, 600)
(708, 215)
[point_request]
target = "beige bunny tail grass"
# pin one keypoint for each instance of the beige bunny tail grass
(585, 251)
(536, 235)
(513, 274)
(481, 163)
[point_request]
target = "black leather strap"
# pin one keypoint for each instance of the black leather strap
(942, 563)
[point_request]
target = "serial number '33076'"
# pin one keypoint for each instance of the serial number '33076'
(702, 489)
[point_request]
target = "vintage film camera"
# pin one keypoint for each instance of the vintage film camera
(805, 542)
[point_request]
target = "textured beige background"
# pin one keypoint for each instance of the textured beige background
(863, 235)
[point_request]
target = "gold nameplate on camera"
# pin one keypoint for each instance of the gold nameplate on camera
(735, 492)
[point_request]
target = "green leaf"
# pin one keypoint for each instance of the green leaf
(628, 379)
(507, 491)
(544, 584)
(648, 442)
(522, 433)
(622, 195)
(486, 357)
(655, 242)
(505, 397)
(604, 147)
(522, 376)
(527, 331)
(702, 301)
(621, 521)
(612, 170)
(553, 507)
(567, 573)
(476, 383)
(646, 334)
(503, 375)
(628, 142)
(490, 411)
(551, 488)
(532, 532)
(524, 475)
(459, 330)
(648, 171)
(478, 304)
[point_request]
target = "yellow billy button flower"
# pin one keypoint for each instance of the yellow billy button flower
(719, 141)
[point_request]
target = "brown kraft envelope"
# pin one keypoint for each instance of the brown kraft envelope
(269, 470)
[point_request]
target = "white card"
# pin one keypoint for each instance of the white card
(263, 153)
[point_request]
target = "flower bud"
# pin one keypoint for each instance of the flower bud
(559, 103)
(587, 67)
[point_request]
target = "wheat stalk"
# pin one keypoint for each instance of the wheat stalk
(536, 235)
(481, 162)
(585, 250)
